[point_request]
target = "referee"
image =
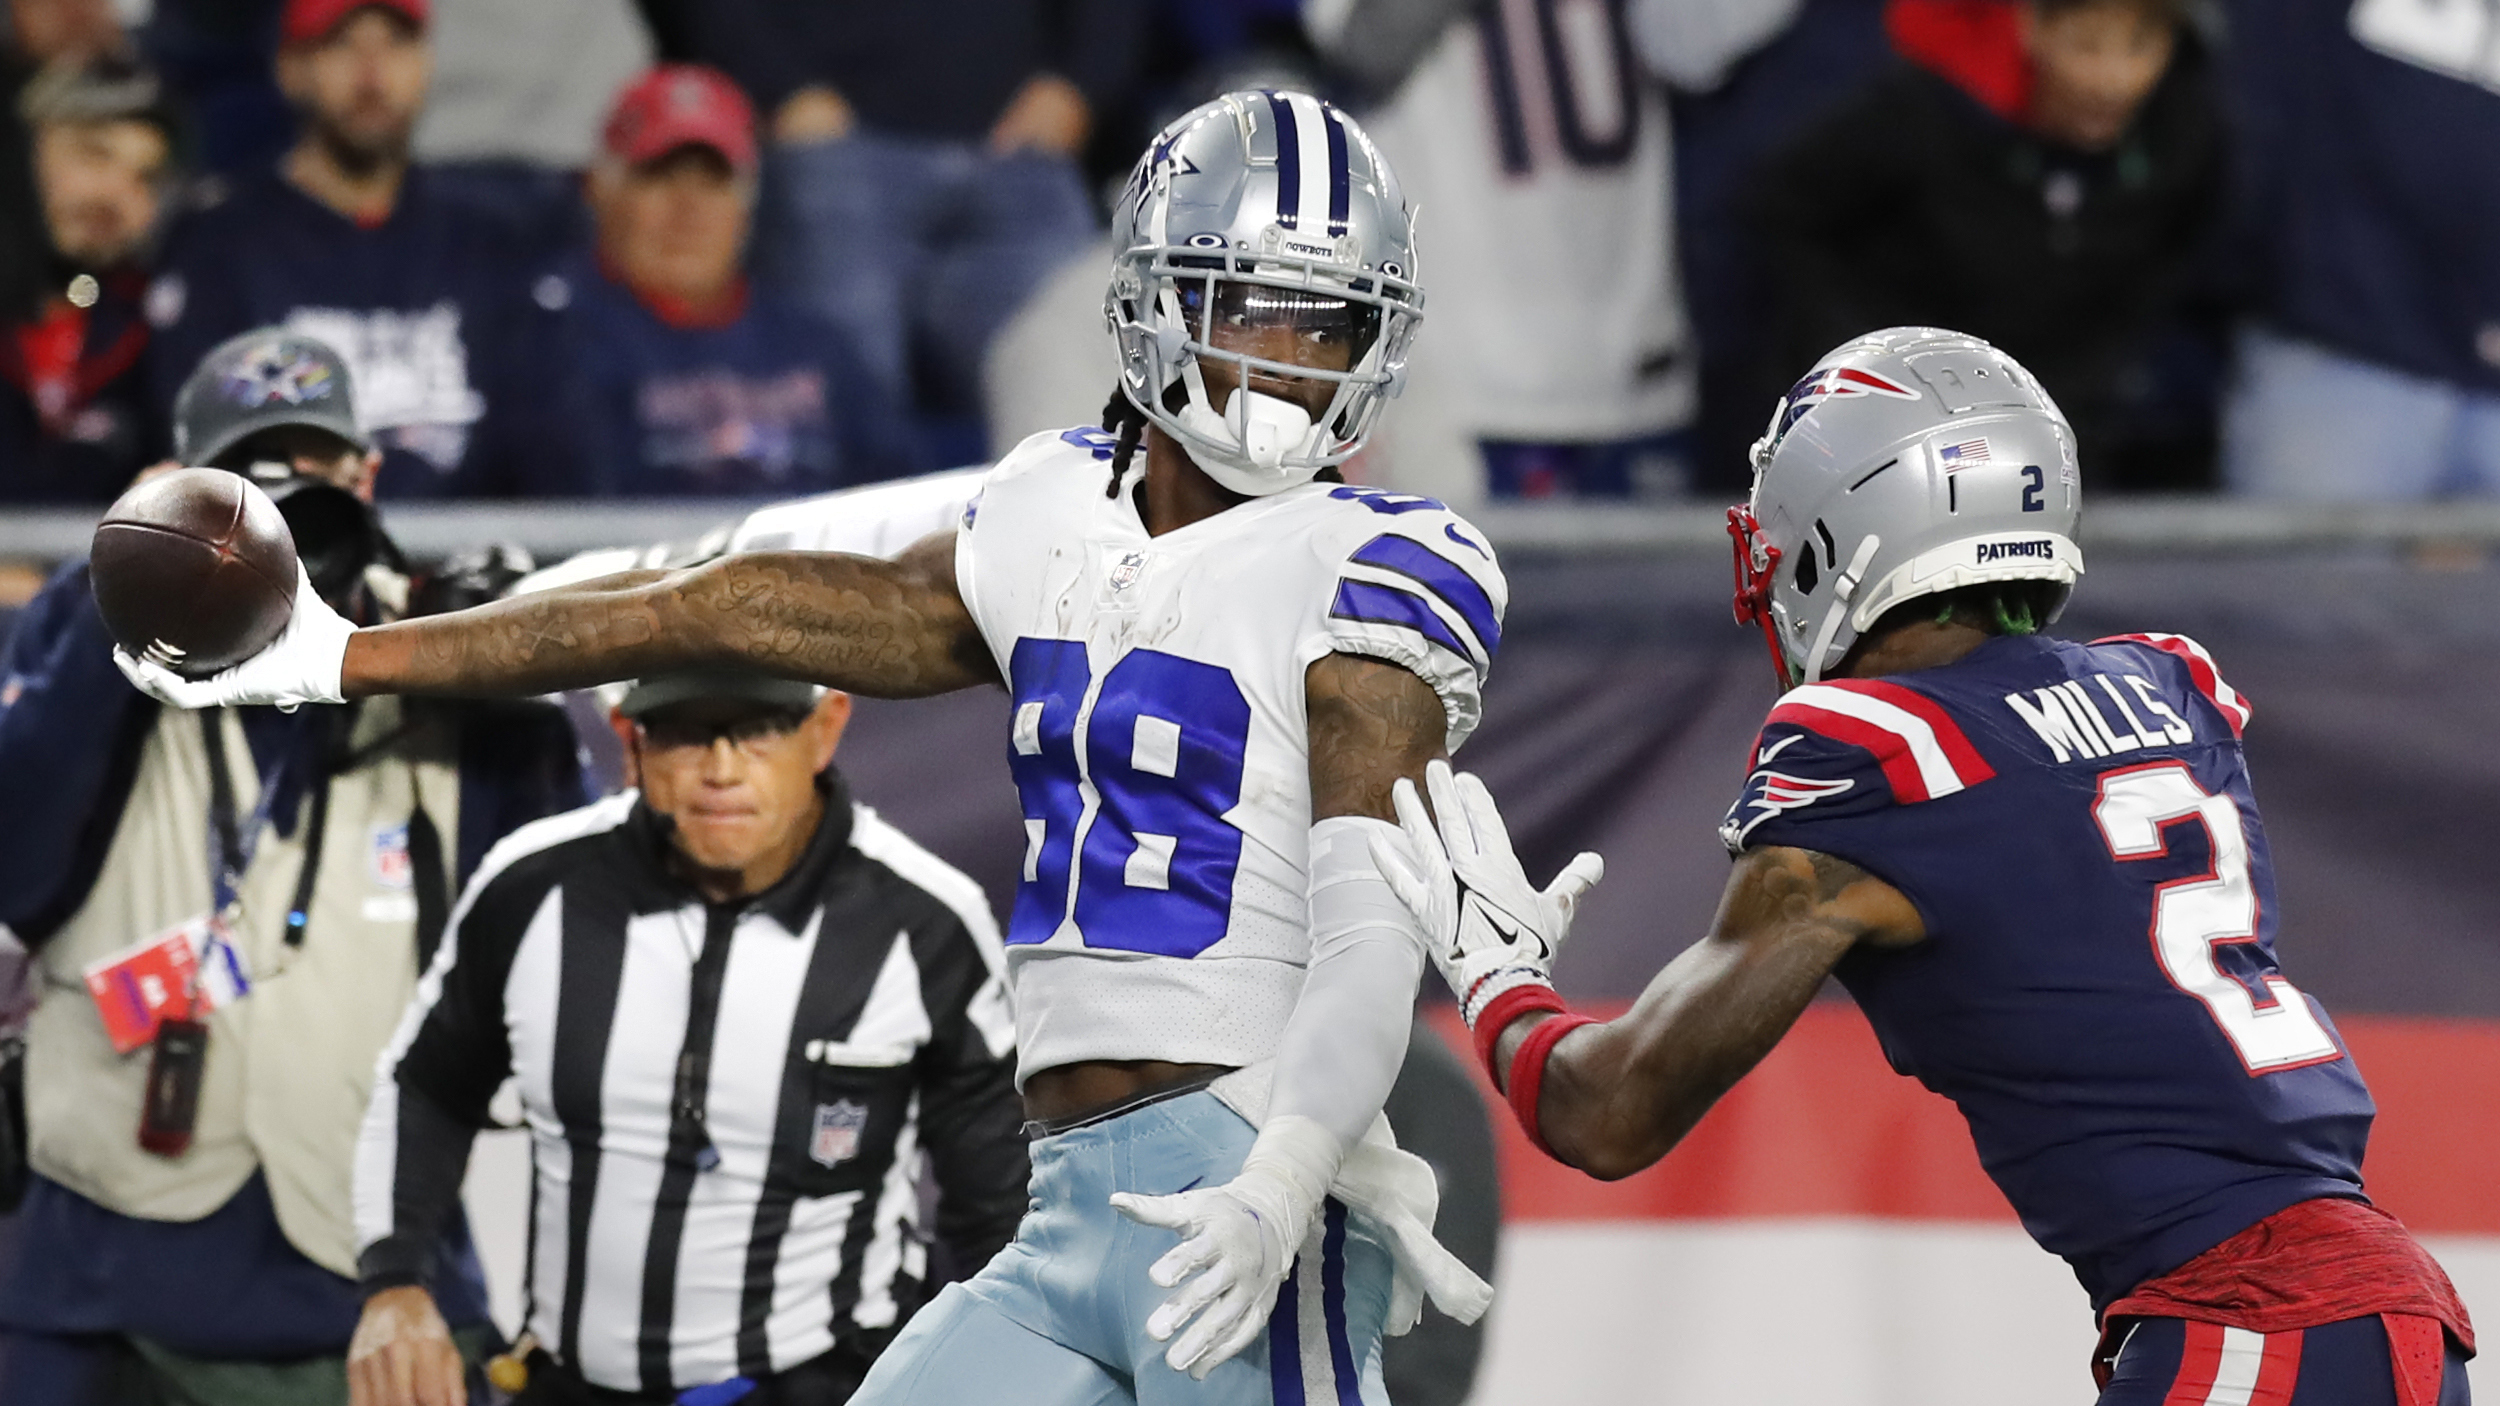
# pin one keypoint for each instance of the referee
(738, 1007)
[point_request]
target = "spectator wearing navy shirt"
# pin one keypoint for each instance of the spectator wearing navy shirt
(428, 299)
(2051, 179)
(691, 381)
(2372, 214)
(75, 418)
(924, 166)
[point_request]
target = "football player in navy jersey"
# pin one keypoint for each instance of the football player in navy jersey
(1974, 827)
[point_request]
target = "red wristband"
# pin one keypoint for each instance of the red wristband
(1527, 1071)
(1499, 1012)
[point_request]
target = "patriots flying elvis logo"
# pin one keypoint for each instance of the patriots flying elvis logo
(1769, 792)
(1837, 383)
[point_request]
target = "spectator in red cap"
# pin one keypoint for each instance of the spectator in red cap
(436, 305)
(690, 380)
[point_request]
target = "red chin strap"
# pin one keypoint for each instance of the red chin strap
(1757, 565)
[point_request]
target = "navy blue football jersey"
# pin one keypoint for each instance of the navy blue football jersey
(2098, 992)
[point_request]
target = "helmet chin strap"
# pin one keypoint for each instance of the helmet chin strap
(1842, 590)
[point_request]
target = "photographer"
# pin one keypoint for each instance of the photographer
(227, 914)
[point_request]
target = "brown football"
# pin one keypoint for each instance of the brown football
(194, 569)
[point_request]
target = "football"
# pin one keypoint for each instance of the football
(194, 569)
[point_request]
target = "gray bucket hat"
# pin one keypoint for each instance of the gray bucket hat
(261, 380)
(742, 685)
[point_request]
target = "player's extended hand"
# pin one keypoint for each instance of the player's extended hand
(1490, 928)
(300, 666)
(1237, 1245)
(403, 1355)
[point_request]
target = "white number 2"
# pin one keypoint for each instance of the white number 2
(2191, 917)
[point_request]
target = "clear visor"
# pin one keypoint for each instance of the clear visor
(1288, 316)
(1328, 338)
(1325, 331)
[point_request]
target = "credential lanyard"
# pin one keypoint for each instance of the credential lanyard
(231, 848)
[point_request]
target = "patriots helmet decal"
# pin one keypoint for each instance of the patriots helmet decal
(1836, 383)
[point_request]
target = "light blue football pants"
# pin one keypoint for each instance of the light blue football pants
(1059, 1317)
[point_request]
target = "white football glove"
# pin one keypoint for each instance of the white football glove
(1490, 929)
(1238, 1242)
(300, 666)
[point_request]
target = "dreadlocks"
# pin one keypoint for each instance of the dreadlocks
(1129, 423)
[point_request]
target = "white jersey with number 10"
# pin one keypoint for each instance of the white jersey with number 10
(1536, 153)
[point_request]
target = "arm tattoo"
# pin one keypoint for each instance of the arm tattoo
(1371, 723)
(893, 629)
(1616, 1099)
(1798, 889)
(1832, 875)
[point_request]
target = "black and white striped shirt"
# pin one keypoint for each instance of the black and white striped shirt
(728, 1103)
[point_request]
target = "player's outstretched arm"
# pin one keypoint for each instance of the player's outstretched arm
(895, 629)
(1615, 1097)
(1371, 723)
(888, 629)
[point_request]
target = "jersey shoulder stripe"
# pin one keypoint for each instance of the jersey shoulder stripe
(1446, 579)
(1923, 752)
(2234, 707)
(1370, 603)
(1408, 582)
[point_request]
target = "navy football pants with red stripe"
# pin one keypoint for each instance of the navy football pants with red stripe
(2171, 1362)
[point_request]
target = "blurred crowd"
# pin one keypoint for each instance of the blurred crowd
(762, 248)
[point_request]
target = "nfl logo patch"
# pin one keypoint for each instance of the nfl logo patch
(391, 866)
(838, 1126)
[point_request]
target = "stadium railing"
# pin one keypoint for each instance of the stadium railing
(551, 529)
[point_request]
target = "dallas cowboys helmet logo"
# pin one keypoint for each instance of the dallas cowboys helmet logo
(279, 373)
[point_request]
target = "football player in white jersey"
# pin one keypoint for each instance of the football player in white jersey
(1221, 661)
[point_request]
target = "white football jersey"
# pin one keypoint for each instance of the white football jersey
(1536, 153)
(1160, 742)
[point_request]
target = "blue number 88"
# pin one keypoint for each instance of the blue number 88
(1164, 750)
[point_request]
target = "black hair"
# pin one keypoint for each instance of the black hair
(1124, 419)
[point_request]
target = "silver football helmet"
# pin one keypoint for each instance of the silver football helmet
(1909, 462)
(1262, 210)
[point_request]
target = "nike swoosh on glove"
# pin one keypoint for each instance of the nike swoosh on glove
(1490, 928)
(301, 665)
